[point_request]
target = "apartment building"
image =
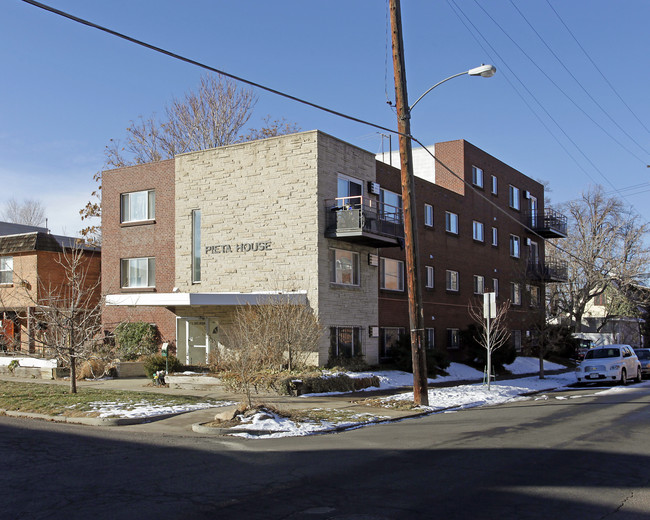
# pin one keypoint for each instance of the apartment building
(312, 220)
(482, 227)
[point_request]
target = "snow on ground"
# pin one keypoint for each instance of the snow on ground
(275, 426)
(446, 399)
(145, 409)
(530, 365)
(468, 396)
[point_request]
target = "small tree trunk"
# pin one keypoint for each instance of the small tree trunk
(73, 373)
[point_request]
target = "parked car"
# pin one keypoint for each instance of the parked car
(644, 358)
(609, 363)
(583, 347)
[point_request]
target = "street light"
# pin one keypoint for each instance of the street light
(416, 315)
(484, 71)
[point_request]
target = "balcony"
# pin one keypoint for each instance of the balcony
(364, 221)
(549, 271)
(548, 224)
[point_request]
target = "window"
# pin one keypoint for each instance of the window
(477, 231)
(196, 245)
(429, 339)
(495, 237)
(345, 267)
(138, 272)
(599, 300)
(391, 205)
(6, 269)
(453, 338)
(430, 281)
(390, 337)
(345, 342)
(513, 197)
(494, 185)
(452, 281)
(515, 249)
(392, 274)
(516, 339)
(477, 176)
(350, 190)
(451, 222)
(428, 215)
(138, 205)
(479, 284)
(495, 287)
(515, 290)
(533, 294)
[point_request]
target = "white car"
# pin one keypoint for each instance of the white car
(609, 363)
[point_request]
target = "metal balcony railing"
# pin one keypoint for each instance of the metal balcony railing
(548, 223)
(364, 220)
(548, 271)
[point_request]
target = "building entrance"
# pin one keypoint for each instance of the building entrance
(196, 338)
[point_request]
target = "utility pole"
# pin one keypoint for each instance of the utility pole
(416, 316)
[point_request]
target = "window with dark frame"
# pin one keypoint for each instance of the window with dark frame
(345, 342)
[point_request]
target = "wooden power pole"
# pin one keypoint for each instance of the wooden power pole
(416, 316)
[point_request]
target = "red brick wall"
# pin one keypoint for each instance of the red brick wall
(461, 253)
(153, 238)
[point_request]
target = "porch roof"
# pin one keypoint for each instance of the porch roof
(178, 299)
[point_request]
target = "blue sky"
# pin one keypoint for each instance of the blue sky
(67, 89)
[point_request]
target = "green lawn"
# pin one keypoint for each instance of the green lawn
(54, 399)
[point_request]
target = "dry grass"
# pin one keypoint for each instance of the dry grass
(54, 399)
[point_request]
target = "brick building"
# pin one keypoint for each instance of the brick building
(317, 220)
(32, 272)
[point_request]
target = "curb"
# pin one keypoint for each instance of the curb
(88, 421)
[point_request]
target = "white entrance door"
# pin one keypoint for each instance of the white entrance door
(200, 335)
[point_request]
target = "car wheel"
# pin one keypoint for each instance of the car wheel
(638, 377)
(623, 377)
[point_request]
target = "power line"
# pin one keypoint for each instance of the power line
(568, 70)
(204, 66)
(586, 114)
(456, 8)
(597, 68)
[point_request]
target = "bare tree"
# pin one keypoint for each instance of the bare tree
(492, 333)
(68, 311)
(605, 247)
(273, 335)
(30, 212)
(213, 115)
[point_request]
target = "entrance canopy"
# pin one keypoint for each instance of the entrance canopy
(178, 299)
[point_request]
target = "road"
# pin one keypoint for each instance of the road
(570, 455)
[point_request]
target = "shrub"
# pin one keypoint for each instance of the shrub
(402, 357)
(135, 339)
(354, 363)
(157, 362)
(312, 382)
(91, 369)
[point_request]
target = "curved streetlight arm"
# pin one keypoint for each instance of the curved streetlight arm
(439, 83)
(485, 71)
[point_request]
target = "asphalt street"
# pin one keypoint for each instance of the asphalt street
(572, 455)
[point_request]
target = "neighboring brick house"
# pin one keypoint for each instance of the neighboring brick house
(189, 240)
(32, 268)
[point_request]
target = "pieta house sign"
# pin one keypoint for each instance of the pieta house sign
(243, 247)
